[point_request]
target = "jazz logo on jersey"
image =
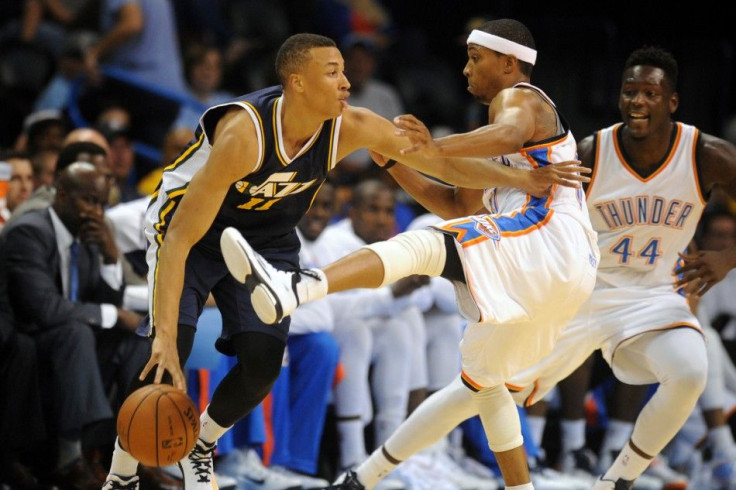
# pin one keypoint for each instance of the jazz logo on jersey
(486, 227)
(277, 186)
(644, 210)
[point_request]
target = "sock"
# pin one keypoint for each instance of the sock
(123, 464)
(536, 427)
(721, 441)
(628, 465)
(310, 288)
(352, 442)
(573, 434)
(375, 468)
(69, 450)
(210, 431)
(617, 435)
(525, 486)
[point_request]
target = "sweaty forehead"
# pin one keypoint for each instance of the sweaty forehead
(645, 74)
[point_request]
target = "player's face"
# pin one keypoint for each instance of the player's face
(373, 220)
(315, 221)
(646, 101)
(483, 71)
(325, 82)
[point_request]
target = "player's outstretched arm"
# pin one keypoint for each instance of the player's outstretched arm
(234, 154)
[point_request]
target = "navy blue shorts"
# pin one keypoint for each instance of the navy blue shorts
(205, 274)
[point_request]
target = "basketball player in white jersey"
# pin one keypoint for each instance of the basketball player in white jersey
(521, 270)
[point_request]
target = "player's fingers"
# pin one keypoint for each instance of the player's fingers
(177, 378)
(146, 369)
(159, 374)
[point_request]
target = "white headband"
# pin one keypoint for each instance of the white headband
(502, 45)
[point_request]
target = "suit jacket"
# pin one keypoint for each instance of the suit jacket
(30, 277)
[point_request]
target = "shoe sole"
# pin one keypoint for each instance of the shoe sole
(241, 262)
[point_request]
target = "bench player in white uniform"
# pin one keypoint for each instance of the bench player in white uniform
(650, 179)
(521, 272)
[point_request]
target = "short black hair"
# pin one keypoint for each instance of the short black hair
(294, 53)
(658, 58)
(515, 31)
(70, 153)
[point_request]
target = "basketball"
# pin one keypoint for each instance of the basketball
(158, 425)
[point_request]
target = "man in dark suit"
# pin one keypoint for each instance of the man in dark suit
(64, 284)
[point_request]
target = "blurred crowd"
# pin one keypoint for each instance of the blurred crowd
(119, 85)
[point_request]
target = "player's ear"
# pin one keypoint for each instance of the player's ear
(296, 82)
(509, 63)
(674, 102)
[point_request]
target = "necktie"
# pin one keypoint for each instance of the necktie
(73, 271)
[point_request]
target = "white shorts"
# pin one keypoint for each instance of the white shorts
(606, 321)
(525, 285)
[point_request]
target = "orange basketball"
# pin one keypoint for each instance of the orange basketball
(158, 425)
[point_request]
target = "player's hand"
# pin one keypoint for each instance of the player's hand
(408, 285)
(703, 269)
(419, 136)
(165, 358)
(567, 174)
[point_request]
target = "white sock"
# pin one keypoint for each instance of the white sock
(536, 427)
(123, 464)
(210, 431)
(375, 468)
(722, 442)
(617, 435)
(309, 288)
(525, 486)
(352, 442)
(573, 434)
(628, 465)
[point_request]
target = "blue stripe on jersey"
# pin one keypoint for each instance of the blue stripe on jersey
(539, 155)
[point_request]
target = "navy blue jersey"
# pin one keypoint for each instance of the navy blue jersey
(265, 205)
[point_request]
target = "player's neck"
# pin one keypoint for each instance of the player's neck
(650, 150)
(297, 126)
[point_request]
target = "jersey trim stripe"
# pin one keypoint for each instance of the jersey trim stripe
(187, 153)
(667, 160)
(331, 158)
(596, 163)
(258, 122)
(547, 143)
(696, 167)
(528, 401)
(467, 381)
(280, 150)
(183, 158)
(166, 208)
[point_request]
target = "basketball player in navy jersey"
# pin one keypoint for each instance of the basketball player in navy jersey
(256, 165)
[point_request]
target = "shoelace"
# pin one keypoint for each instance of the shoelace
(201, 461)
(129, 484)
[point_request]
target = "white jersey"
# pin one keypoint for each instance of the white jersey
(643, 222)
(560, 148)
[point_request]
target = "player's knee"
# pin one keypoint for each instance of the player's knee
(690, 379)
